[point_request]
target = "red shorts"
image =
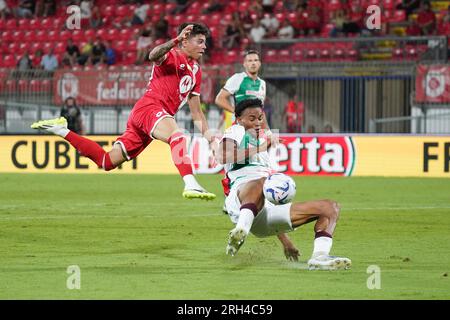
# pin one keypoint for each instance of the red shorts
(144, 117)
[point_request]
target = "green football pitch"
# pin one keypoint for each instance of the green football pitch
(135, 237)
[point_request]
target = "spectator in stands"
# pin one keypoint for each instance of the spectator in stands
(139, 16)
(301, 19)
(110, 54)
(213, 5)
(286, 30)
(49, 61)
(181, 6)
(233, 35)
(256, 7)
(72, 113)
(291, 5)
(85, 53)
(25, 9)
(328, 128)
(409, 6)
(144, 41)
(161, 27)
(247, 21)
(23, 65)
(4, 10)
(412, 29)
(426, 19)
(313, 21)
(271, 23)
(311, 129)
(71, 55)
(97, 53)
(268, 5)
(257, 33)
(36, 60)
(45, 8)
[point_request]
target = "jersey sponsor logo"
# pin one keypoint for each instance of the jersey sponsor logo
(185, 84)
(182, 66)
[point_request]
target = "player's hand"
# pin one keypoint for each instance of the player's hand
(184, 34)
(291, 253)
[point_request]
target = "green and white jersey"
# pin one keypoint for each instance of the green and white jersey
(242, 87)
(257, 166)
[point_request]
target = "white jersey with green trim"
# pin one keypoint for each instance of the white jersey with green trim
(257, 166)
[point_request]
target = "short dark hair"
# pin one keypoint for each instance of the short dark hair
(248, 103)
(252, 51)
(199, 28)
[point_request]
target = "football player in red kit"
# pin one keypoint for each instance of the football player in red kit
(175, 80)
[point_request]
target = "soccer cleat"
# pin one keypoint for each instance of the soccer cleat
(325, 262)
(56, 126)
(198, 194)
(235, 241)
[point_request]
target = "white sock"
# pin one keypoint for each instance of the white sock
(191, 183)
(245, 221)
(322, 246)
(63, 132)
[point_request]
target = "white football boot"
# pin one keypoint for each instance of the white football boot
(235, 241)
(56, 126)
(325, 262)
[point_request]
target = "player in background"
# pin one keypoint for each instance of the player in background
(241, 86)
(175, 79)
(243, 150)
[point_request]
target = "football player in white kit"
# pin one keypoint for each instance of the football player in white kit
(243, 151)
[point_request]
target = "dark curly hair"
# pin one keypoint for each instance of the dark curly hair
(248, 103)
(198, 28)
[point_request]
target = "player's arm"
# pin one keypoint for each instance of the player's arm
(158, 53)
(199, 118)
(290, 251)
(223, 100)
(228, 151)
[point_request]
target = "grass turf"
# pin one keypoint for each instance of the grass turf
(135, 237)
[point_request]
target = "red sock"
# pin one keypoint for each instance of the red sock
(180, 157)
(90, 149)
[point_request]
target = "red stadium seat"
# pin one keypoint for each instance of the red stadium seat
(23, 24)
(47, 23)
(13, 47)
(18, 35)
(122, 11)
(53, 35)
(125, 34)
(89, 34)
(231, 56)
(101, 33)
(11, 85)
(7, 36)
(77, 35)
(35, 46)
(113, 34)
(121, 45)
(107, 11)
(156, 9)
(284, 56)
(389, 4)
(11, 24)
(399, 16)
(23, 47)
(65, 35)
(270, 56)
(23, 85)
(60, 47)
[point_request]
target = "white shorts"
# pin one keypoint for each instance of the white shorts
(270, 221)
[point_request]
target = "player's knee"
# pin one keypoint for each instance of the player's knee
(331, 209)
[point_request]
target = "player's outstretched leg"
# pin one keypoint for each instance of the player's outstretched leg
(56, 126)
(86, 147)
(326, 213)
(181, 159)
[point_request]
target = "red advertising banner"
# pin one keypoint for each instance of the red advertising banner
(433, 83)
(295, 155)
(105, 87)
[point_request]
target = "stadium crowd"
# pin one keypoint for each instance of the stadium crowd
(123, 31)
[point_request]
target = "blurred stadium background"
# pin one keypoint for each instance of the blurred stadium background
(345, 79)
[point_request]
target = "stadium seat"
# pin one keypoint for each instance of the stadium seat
(65, 35)
(122, 11)
(389, 4)
(231, 56)
(47, 23)
(10, 85)
(121, 45)
(398, 16)
(11, 24)
(22, 85)
(60, 47)
(89, 34)
(125, 34)
(53, 35)
(7, 36)
(107, 11)
(23, 24)
(270, 56)
(23, 47)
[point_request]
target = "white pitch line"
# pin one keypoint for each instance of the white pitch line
(59, 217)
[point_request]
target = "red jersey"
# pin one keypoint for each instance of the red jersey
(173, 80)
